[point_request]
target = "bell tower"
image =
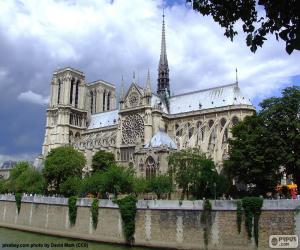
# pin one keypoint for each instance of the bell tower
(66, 113)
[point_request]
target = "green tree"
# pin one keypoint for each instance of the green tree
(30, 181)
(140, 185)
(93, 184)
(160, 185)
(281, 116)
(117, 179)
(71, 186)
(3, 186)
(252, 159)
(24, 178)
(263, 143)
(258, 19)
(61, 163)
(102, 160)
(193, 171)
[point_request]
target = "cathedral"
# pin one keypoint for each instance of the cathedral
(144, 126)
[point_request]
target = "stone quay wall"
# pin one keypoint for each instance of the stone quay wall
(161, 223)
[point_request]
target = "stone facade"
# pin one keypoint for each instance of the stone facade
(86, 115)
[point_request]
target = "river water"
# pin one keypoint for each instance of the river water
(14, 239)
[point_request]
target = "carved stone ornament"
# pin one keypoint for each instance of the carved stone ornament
(133, 99)
(132, 129)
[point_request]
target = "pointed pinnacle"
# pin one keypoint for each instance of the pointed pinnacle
(122, 89)
(148, 85)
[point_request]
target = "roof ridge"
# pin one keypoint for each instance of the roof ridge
(203, 90)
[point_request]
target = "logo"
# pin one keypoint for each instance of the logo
(283, 241)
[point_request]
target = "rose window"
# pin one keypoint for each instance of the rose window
(132, 129)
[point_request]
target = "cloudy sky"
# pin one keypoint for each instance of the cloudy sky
(107, 39)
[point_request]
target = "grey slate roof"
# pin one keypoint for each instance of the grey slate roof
(8, 165)
(221, 96)
(161, 139)
(104, 119)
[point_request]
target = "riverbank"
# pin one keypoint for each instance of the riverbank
(163, 223)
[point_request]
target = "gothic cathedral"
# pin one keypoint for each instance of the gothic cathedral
(145, 127)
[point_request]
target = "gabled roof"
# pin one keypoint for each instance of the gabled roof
(161, 139)
(104, 119)
(221, 96)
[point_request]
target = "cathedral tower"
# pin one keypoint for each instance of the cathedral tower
(163, 87)
(66, 113)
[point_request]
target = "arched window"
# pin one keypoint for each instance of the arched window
(76, 94)
(59, 89)
(70, 137)
(225, 136)
(104, 101)
(235, 120)
(150, 167)
(210, 123)
(200, 130)
(71, 91)
(92, 101)
(108, 101)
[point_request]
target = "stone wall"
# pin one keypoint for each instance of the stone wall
(161, 223)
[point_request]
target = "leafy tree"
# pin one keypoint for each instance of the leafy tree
(160, 185)
(117, 179)
(193, 171)
(281, 116)
(24, 178)
(252, 159)
(258, 19)
(30, 181)
(266, 142)
(93, 184)
(3, 186)
(102, 160)
(140, 185)
(61, 163)
(71, 186)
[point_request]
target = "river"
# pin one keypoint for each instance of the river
(15, 239)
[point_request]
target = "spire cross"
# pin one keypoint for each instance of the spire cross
(236, 75)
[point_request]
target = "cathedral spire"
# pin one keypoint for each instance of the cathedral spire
(163, 88)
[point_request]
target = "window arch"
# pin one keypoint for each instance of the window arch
(108, 101)
(92, 101)
(150, 167)
(200, 130)
(235, 120)
(76, 94)
(59, 90)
